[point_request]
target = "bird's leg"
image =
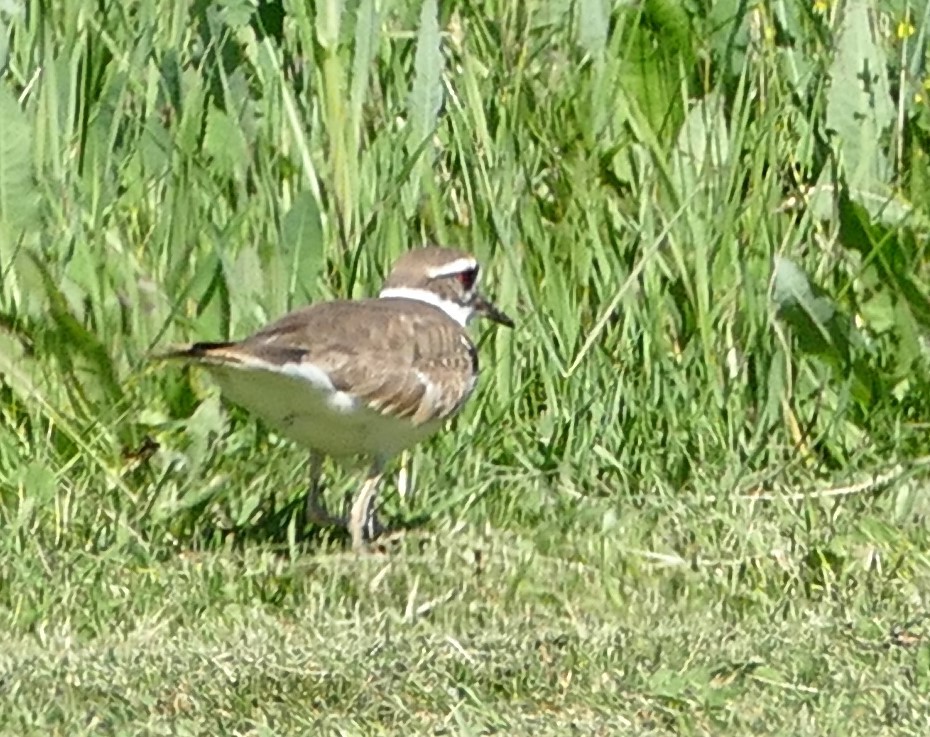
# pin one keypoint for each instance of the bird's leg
(315, 512)
(363, 524)
(404, 487)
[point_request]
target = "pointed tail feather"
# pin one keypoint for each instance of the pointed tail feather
(194, 352)
(232, 354)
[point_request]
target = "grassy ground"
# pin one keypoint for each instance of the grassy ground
(690, 495)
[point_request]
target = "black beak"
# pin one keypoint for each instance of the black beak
(483, 307)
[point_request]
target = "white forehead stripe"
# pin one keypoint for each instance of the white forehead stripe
(453, 267)
(460, 313)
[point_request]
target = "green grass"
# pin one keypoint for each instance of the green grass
(690, 494)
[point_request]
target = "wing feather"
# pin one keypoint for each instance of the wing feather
(404, 360)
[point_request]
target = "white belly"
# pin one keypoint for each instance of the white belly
(309, 411)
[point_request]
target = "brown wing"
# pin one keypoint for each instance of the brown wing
(400, 358)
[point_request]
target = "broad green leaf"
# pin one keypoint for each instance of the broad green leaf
(302, 246)
(879, 312)
(650, 74)
(328, 22)
(207, 422)
(155, 150)
(906, 496)
(797, 69)
(192, 98)
(859, 105)
(236, 13)
(75, 341)
(18, 191)
(209, 288)
(821, 329)
(39, 482)
(809, 312)
(9, 10)
(242, 268)
(426, 93)
(593, 22)
(703, 140)
(728, 21)
(553, 13)
(919, 180)
(882, 246)
(225, 144)
(788, 14)
(367, 27)
(672, 25)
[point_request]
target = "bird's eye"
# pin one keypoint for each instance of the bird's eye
(468, 278)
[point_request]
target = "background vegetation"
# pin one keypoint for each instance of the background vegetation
(690, 496)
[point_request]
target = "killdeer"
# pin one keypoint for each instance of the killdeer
(367, 377)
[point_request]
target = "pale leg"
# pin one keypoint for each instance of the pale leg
(362, 523)
(403, 478)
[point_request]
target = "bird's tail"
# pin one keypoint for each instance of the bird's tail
(205, 352)
(235, 354)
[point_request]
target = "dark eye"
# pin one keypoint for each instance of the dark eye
(468, 278)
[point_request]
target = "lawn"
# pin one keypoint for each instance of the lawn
(690, 494)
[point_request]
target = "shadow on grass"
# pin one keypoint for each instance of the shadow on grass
(278, 528)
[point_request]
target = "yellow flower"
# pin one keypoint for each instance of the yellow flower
(906, 29)
(821, 6)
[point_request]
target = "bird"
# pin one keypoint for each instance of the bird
(366, 377)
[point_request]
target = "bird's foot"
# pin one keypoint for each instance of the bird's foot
(364, 527)
(316, 514)
(364, 530)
